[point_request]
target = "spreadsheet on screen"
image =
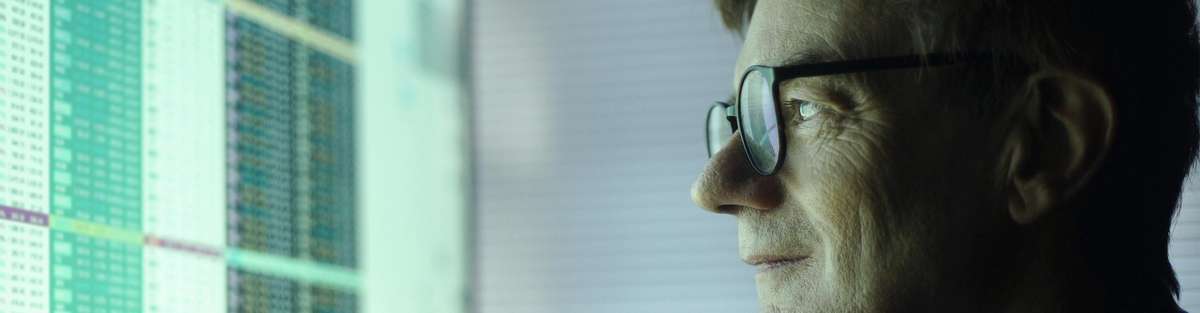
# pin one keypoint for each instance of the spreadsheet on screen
(183, 156)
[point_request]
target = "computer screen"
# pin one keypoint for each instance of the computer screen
(209, 156)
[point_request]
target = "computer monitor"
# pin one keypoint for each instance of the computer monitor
(209, 156)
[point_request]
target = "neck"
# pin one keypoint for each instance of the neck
(1052, 273)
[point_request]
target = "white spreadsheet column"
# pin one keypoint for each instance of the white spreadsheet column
(24, 182)
(183, 153)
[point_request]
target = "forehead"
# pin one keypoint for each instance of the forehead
(784, 32)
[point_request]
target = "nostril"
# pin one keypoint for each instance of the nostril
(719, 190)
(728, 209)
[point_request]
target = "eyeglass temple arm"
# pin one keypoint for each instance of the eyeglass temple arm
(731, 115)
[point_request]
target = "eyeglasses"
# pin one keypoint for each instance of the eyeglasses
(756, 112)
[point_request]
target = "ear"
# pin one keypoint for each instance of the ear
(1060, 136)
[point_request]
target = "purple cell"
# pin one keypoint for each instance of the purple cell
(23, 216)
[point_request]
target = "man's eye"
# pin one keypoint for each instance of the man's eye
(803, 110)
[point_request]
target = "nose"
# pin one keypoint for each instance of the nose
(729, 184)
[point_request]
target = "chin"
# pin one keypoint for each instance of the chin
(824, 285)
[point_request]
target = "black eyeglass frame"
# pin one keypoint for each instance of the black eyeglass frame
(775, 75)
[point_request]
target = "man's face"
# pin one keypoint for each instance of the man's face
(886, 191)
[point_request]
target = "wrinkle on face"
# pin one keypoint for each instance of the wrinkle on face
(857, 182)
(849, 99)
(836, 177)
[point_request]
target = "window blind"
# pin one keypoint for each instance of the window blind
(589, 119)
(1185, 245)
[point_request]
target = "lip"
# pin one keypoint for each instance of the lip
(766, 263)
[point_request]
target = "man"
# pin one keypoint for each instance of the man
(957, 156)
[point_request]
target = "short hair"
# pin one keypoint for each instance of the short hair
(1147, 56)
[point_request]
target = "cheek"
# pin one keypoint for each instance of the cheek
(840, 180)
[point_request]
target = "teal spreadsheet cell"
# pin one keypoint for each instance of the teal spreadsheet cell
(330, 99)
(95, 136)
(333, 16)
(285, 7)
(96, 112)
(95, 274)
(262, 135)
(252, 292)
(291, 167)
(327, 300)
(178, 156)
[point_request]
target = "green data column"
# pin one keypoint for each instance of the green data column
(95, 123)
(290, 93)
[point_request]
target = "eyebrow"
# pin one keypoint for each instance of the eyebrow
(810, 57)
(826, 88)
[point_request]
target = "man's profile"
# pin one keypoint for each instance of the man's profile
(957, 156)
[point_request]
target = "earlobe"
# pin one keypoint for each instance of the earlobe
(1035, 198)
(1060, 136)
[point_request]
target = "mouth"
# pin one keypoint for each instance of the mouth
(766, 263)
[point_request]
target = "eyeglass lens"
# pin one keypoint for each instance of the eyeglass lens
(719, 130)
(759, 121)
